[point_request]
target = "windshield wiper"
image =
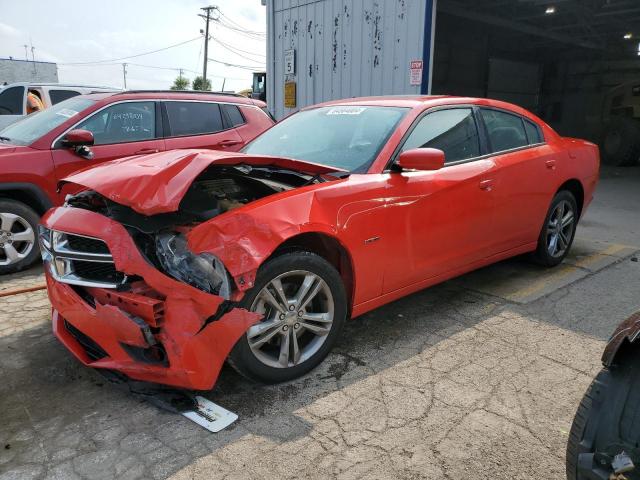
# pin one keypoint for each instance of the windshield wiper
(5, 139)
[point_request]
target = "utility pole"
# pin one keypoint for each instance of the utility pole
(26, 52)
(180, 74)
(124, 74)
(207, 18)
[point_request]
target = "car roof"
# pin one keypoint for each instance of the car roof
(222, 97)
(423, 101)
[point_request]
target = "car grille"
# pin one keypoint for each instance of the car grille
(92, 349)
(86, 244)
(79, 260)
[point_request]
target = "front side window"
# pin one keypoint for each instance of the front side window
(12, 101)
(506, 131)
(453, 131)
(122, 123)
(58, 96)
(38, 124)
(346, 137)
(193, 118)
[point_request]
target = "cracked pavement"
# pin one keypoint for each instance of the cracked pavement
(453, 382)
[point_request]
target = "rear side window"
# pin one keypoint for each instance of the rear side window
(122, 123)
(453, 131)
(193, 118)
(506, 131)
(58, 96)
(12, 101)
(234, 115)
(533, 132)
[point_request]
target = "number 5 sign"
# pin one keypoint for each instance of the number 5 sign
(289, 62)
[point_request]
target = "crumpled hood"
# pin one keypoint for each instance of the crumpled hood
(156, 183)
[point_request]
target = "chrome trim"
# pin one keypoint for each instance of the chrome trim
(58, 259)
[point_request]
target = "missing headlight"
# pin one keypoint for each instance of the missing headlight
(205, 272)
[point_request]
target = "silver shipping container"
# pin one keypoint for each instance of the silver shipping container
(319, 50)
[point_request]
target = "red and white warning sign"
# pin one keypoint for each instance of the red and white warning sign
(415, 72)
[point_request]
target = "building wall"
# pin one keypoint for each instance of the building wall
(346, 48)
(12, 70)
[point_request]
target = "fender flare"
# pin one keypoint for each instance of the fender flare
(626, 336)
(41, 201)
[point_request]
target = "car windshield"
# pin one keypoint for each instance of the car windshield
(34, 126)
(346, 137)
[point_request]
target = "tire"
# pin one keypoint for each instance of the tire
(16, 220)
(544, 254)
(265, 362)
(621, 142)
(607, 421)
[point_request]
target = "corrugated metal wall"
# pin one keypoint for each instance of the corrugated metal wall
(344, 48)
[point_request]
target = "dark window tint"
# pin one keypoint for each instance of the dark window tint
(505, 131)
(452, 131)
(533, 132)
(12, 101)
(193, 118)
(58, 96)
(122, 123)
(234, 115)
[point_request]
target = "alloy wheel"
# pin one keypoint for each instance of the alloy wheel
(17, 238)
(298, 310)
(560, 229)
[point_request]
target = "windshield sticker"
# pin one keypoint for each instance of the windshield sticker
(346, 110)
(65, 112)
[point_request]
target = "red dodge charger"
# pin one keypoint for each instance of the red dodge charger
(167, 265)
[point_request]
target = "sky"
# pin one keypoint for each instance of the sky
(74, 31)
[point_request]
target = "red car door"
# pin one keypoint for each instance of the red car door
(524, 182)
(198, 124)
(444, 218)
(119, 130)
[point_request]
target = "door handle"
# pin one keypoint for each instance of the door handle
(228, 143)
(486, 185)
(551, 164)
(144, 151)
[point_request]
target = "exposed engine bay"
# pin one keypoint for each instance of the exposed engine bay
(219, 189)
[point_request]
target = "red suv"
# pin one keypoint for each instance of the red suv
(89, 129)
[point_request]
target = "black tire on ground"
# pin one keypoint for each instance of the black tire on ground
(542, 255)
(621, 142)
(243, 359)
(608, 418)
(32, 218)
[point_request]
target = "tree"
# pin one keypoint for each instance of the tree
(199, 84)
(180, 83)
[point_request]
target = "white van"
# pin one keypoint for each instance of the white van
(13, 97)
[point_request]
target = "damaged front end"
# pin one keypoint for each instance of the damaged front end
(128, 294)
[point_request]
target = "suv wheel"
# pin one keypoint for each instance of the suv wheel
(18, 236)
(304, 304)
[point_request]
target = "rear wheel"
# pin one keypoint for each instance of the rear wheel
(607, 423)
(18, 245)
(559, 228)
(621, 142)
(303, 302)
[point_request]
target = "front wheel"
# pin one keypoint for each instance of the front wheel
(18, 245)
(304, 305)
(556, 236)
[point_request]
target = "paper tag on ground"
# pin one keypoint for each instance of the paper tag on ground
(211, 416)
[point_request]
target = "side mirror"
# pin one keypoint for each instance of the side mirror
(78, 138)
(421, 159)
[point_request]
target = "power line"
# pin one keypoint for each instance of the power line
(133, 56)
(238, 49)
(237, 25)
(255, 68)
(232, 50)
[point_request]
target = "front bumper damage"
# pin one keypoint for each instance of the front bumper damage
(154, 328)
